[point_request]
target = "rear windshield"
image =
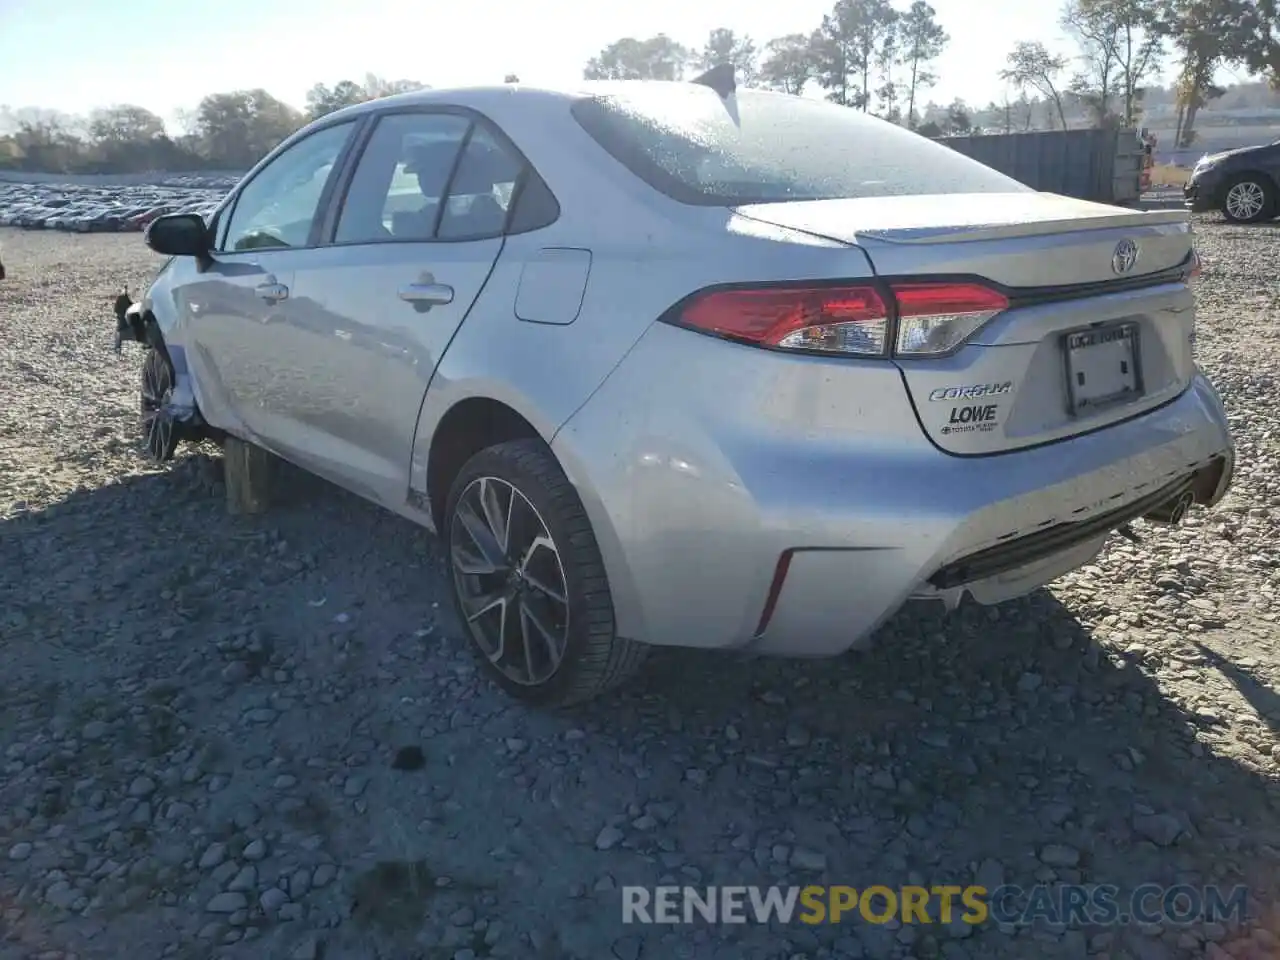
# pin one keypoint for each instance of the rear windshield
(761, 147)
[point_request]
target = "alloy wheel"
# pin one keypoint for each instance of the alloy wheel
(1245, 200)
(157, 421)
(510, 581)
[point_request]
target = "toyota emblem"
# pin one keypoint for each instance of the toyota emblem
(1125, 257)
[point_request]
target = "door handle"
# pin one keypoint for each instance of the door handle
(426, 295)
(271, 291)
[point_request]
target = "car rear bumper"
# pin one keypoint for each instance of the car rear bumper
(721, 527)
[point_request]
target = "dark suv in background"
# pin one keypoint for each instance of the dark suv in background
(1244, 184)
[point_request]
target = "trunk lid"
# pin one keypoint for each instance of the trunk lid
(1092, 335)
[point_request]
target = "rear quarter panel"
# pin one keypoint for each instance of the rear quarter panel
(546, 371)
(647, 253)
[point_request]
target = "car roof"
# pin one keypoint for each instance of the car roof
(502, 96)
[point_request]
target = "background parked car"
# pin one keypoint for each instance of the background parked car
(1241, 183)
(86, 209)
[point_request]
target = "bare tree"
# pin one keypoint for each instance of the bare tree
(1032, 66)
(888, 57)
(845, 49)
(1120, 47)
(921, 41)
(725, 46)
(658, 58)
(788, 63)
(1205, 34)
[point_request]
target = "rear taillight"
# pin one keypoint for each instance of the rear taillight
(933, 318)
(850, 320)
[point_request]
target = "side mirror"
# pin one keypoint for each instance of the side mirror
(179, 235)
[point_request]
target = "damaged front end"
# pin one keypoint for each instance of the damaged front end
(169, 414)
(129, 321)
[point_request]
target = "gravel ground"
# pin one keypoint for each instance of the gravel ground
(262, 738)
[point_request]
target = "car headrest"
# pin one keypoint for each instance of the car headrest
(482, 168)
(433, 158)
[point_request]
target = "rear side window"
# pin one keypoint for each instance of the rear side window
(428, 176)
(762, 147)
(401, 179)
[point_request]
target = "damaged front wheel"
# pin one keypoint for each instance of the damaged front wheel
(159, 431)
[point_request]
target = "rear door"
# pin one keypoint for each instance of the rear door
(1024, 317)
(414, 239)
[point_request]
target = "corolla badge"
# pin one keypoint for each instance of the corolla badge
(1125, 256)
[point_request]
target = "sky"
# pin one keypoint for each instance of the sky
(74, 55)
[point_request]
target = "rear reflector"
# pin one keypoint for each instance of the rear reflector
(934, 318)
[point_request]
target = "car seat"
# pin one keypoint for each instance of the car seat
(478, 176)
(430, 163)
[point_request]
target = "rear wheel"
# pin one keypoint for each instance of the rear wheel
(528, 579)
(1249, 199)
(159, 432)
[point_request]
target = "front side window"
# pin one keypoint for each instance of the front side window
(276, 208)
(762, 147)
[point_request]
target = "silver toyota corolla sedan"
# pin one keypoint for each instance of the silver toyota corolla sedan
(674, 363)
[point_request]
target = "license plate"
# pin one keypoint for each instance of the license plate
(1102, 367)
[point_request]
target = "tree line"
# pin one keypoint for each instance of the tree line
(227, 131)
(874, 56)
(864, 53)
(869, 55)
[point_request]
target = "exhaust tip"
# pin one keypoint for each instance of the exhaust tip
(1173, 510)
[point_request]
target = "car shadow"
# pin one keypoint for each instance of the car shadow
(1264, 700)
(956, 742)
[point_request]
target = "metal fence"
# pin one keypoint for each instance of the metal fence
(1099, 165)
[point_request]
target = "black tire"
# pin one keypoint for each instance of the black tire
(160, 434)
(595, 658)
(1249, 198)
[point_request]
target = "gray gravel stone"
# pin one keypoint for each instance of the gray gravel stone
(608, 838)
(272, 899)
(245, 880)
(227, 902)
(255, 850)
(803, 859)
(20, 851)
(1059, 855)
(213, 855)
(1162, 829)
